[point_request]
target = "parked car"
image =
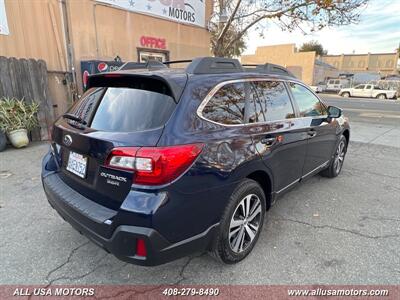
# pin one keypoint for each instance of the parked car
(155, 164)
(367, 91)
(335, 85)
(320, 88)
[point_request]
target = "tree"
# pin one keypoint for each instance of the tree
(237, 47)
(232, 19)
(313, 46)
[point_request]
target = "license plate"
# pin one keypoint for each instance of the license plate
(77, 164)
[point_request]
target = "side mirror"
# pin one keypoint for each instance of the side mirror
(334, 112)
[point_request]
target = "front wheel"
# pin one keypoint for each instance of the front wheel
(345, 95)
(336, 163)
(241, 223)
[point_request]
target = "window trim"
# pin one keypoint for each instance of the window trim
(216, 88)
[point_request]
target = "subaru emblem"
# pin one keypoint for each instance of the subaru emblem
(67, 140)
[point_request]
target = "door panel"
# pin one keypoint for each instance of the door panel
(321, 142)
(367, 91)
(321, 134)
(285, 155)
(278, 136)
(358, 90)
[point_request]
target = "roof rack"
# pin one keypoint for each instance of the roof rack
(170, 62)
(268, 69)
(214, 65)
(211, 65)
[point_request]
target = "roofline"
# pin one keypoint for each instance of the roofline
(361, 54)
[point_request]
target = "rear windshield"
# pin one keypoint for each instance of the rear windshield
(124, 109)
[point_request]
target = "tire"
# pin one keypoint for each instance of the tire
(381, 96)
(345, 95)
(233, 241)
(336, 164)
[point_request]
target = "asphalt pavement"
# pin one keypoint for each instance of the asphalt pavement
(326, 231)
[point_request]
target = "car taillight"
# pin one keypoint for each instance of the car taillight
(154, 165)
(141, 248)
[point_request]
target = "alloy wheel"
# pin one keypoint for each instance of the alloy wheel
(245, 223)
(339, 157)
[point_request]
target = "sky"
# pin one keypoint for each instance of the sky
(378, 31)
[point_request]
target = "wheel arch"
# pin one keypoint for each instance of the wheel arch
(346, 134)
(264, 180)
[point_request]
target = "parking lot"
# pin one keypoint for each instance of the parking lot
(329, 231)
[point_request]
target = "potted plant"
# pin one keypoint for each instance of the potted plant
(17, 117)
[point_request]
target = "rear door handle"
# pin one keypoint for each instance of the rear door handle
(311, 133)
(269, 141)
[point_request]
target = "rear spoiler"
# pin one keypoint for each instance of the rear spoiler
(150, 82)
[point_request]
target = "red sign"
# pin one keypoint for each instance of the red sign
(153, 42)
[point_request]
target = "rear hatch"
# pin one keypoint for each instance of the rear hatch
(119, 110)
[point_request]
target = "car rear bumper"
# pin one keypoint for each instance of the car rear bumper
(96, 222)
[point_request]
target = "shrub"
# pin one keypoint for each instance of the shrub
(17, 114)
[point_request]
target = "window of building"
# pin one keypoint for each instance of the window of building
(269, 102)
(227, 104)
(309, 104)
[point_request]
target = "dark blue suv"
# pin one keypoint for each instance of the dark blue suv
(154, 163)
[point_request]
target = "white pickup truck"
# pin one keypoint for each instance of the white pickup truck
(367, 91)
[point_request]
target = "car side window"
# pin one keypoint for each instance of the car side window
(269, 102)
(309, 104)
(360, 87)
(227, 105)
(87, 104)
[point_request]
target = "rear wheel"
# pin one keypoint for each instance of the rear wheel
(381, 96)
(336, 163)
(241, 223)
(345, 95)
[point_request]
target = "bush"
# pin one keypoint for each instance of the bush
(17, 114)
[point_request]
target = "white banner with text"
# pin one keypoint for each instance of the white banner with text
(182, 11)
(3, 19)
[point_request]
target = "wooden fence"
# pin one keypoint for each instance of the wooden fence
(27, 79)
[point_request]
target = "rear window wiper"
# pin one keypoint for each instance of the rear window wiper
(74, 118)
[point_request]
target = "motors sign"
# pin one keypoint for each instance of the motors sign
(182, 11)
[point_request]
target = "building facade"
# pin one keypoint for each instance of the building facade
(381, 63)
(65, 33)
(304, 65)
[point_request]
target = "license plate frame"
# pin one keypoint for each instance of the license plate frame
(77, 164)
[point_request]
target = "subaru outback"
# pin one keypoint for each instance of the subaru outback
(154, 163)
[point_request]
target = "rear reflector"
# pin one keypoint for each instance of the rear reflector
(154, 165)
(141, 248)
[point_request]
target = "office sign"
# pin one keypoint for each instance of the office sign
(3, 19)
(153, 42)
(182, 11)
